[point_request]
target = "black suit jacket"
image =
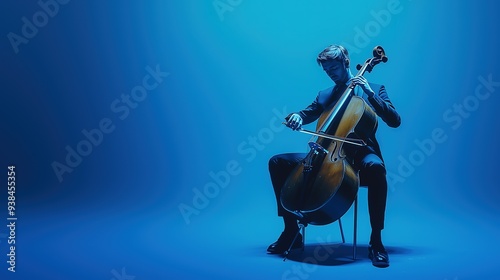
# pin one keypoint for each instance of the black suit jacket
(379, 102)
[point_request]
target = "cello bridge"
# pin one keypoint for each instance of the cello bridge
(316, 150)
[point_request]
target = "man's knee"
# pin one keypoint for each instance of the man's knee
(373, 172)
(281, 161)
(274, 161)
(375, 168)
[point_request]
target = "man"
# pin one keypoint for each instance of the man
(367, 159)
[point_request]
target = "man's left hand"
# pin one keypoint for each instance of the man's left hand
(363, 83)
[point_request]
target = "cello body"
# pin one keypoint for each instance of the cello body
(324, 185)
(322, 193)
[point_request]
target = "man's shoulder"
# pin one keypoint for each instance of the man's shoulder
(324, 95)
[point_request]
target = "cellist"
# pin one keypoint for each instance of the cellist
(367, 159)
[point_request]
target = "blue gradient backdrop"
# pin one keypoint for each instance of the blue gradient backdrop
(233, 74)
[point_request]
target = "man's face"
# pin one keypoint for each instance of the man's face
(336, 70)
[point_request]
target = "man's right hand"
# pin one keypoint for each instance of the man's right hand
(294, 122)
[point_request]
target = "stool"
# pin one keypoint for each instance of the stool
(302, 228)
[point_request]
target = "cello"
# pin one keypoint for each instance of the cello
(323, 186)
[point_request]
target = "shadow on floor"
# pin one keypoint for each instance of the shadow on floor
(336, 254)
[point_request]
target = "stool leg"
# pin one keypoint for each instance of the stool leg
(355, 228)
(341, 230)
(303, 237)
(302, 227)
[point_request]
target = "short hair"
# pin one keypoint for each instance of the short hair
(333, 52)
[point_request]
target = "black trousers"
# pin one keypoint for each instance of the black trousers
(372, 174)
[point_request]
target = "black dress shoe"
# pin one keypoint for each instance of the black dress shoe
(379, 257)
(283, 243)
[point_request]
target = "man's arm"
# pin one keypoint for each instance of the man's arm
(384, 108)
(306, 116)
(380, 101)
(312, 112)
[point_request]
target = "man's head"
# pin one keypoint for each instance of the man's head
(335, 61)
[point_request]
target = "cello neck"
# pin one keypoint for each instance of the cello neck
(342, 100)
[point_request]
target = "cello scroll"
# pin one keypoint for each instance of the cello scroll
(378, 56)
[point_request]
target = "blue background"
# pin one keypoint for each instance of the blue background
(234, 72)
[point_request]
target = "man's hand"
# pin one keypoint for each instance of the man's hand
(363, 83)
(294, 122)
